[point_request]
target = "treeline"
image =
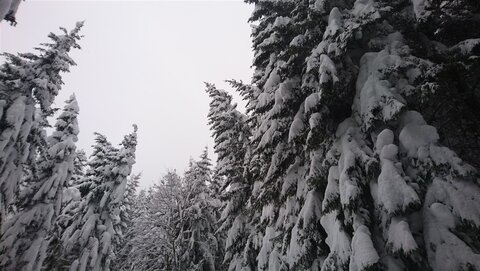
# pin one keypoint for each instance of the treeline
(174, 224)
(187, 222)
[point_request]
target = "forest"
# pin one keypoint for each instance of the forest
(359, 149)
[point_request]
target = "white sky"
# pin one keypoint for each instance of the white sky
(144, 62)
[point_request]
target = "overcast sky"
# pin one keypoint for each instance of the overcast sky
(144, 63)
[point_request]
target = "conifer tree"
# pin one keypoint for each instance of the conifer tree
(80, 164)
(231, 135)
(198, 245)
(90, 239)
(229, 131)
(127, 208)
(168, 206)
(28, 81)
(348, 173)
(75, 201)
(24, 243)
(126, 222)
(71, 200)
(131, 254)
(150, 242)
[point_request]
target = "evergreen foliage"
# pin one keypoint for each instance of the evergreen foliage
(28, 81)
(157, 226)
(24, 242)
(358, 150)
(199, 246)
(231, 134)
(127, 219)
(89, 241)
(347, 173)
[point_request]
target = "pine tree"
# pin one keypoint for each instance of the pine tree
(166, 210)
(80, 164)
(150, 242)
(90, 239)
(123, 229)
(75, 200)
(231, 135)
(24, 243)
(72, 199)
(198, 245)
(28, 80)
(348, 174)
(217, 184)
(127, 210)
(131, 253)
(449, 101)
(284, 202)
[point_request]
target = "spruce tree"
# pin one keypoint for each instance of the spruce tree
(132, 255)
(90, 239)
(231, 135)
(126, 225)
(80, 164)
(24, 243)
(199, 247)
(165, 213)
(126, 210)
(348, 174)
(150, 242)
(28, 81)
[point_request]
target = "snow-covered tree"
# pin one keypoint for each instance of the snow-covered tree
(285, 219)
(103, 153)
(229, 131)
(136, 251)
(89, 241)
(28, 81)
(74, 200)
(126, 222)
(199, 247)
(231, 135)
(150, 241)
(126, 210)
(166, 207)
(80, 164)
(24, 243)
(450, 100)
(348, 173)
